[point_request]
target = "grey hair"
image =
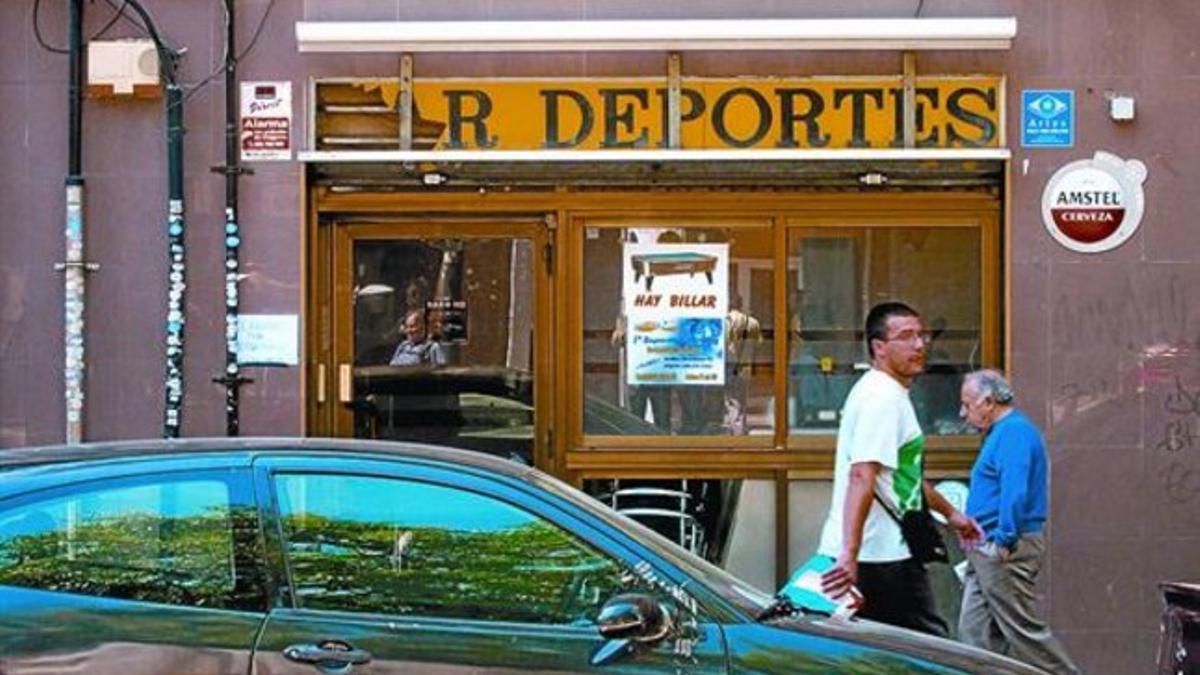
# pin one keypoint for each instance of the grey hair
(991, 384)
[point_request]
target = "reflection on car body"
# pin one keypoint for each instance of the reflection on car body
(310, 555)
(490, 410)
(486, 409)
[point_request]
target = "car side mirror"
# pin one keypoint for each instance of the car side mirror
(628, 621)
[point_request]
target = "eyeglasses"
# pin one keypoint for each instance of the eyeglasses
(912, 337)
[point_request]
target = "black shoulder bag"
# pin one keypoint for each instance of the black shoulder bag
(920, 533)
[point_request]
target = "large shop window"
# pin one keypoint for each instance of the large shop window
(683, 322)
(676, 326)
(836, 274)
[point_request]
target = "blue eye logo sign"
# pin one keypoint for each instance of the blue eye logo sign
(1048, 107)
(1047, 118)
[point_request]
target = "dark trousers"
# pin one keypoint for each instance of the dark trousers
(898, 593)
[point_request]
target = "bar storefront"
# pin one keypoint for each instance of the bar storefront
(650, 287)
(631, 244)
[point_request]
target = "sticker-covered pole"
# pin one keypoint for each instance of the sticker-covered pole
(176, 266)
(177, 275)
(74, 267)
(231, 378)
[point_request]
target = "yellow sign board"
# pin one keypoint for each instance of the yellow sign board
(951, 112)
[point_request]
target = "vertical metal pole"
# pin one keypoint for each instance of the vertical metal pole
(176, 319)
(75, 91)
(406, 101)
(783, 527)
(173, 382)
(74, 369)
(674, 90)
(232, 378)
(74, 266)
(910, 99)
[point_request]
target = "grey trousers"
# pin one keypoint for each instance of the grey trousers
(998, 611)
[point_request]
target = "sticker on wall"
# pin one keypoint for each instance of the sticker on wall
(1047, 118)
(266, 121)
(675, 300)
(1095, 205)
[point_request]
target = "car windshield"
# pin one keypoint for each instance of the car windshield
(733, 590)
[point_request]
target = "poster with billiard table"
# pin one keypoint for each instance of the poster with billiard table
(675, 299)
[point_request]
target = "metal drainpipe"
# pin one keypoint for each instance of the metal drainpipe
(74, 267)
(232, 377)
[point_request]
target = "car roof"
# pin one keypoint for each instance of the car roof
(90, 452)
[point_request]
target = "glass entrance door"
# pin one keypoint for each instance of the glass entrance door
(438, 335)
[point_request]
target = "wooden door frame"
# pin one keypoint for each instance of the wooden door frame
(335, 280)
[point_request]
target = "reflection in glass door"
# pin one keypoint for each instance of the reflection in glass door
(443, 341)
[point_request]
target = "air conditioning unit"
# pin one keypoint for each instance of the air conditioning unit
(122, 68)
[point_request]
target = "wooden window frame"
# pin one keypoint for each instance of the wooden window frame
(581, 223)
(985, 224)
(780, 454)
(567, 452)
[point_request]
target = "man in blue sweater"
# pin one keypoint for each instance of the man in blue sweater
(1008, 499)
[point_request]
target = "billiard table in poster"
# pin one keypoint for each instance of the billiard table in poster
(650, 265)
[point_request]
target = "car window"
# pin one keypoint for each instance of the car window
(368, 544)
(751, 600)
(168, 542)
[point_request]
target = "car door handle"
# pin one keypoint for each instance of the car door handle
(329, 653)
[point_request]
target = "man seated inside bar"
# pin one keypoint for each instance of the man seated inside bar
(417, 349)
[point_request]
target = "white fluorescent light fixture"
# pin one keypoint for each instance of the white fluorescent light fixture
(655, 35)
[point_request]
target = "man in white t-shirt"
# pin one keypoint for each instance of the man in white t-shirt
(880, 456)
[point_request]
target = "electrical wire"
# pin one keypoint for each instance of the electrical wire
(166, 55)
(118, 14)
(257, 31)
(166, 51)
(262, 22)
(37, 31)
(111, 22)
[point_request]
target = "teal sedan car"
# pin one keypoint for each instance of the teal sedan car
(313, 556)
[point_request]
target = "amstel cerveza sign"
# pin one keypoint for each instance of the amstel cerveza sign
(1095, 205)
(950, 112)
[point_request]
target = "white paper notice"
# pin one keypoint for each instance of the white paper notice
(269, 339)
